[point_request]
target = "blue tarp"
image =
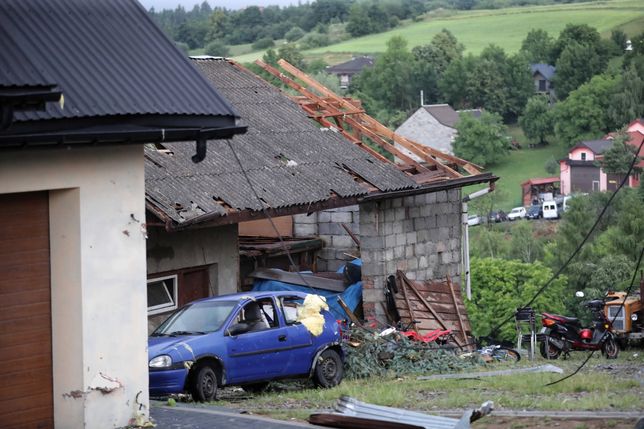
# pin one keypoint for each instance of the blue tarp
(351, 296)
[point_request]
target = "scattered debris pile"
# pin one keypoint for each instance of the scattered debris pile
(389, 353)
(351, 413)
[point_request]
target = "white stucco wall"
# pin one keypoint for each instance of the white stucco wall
(168, 251)
(98, 275)
(576, 154)
(423, 128)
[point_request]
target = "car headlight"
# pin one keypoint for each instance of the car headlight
(634, 317)
(163, 361)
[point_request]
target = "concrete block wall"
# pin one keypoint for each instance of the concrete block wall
(327, 224)
(420, 235)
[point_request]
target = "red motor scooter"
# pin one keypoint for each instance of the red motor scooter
(561, 334)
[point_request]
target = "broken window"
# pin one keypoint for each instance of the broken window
(289, 307)
(162, 294)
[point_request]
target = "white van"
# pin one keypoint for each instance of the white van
(550, 210)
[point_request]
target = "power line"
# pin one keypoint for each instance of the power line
(621, 308)
(270, 219)
(496, 329)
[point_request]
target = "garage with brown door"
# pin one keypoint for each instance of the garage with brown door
(26, 391)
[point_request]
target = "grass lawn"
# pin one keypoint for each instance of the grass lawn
(520, 166)
(478, 28)
(601, 385)
(503, 27)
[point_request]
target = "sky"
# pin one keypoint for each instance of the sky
(228, 4)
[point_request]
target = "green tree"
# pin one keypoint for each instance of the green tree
(582, 34)
(551, 166)
(500, 286)
(489, 243)
(537, 46)
(576, 65)
(218, 25)
(481, 140)
(292, 55)
(584, 114)
(217, 48)
(263, 43)
(524, 246)
(627, 102)
(440, 52)
(389, 85)
(294, 34)
(454, 85)
(537, 120)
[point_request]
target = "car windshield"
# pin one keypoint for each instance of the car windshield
(196, 319)
(516, 210)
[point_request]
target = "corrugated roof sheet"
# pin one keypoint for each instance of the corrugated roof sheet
(107, 56)
(278, 131)
(17, 70)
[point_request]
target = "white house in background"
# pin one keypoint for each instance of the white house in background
(73, 337)
(434, 126)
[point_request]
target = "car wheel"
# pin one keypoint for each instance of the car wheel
(328, 369)
(255, 388)
(204, 384)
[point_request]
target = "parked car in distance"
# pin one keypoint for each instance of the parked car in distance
(534, 212)
(473, 220)
(517, 213)
(499, 216)
(245, 339)
(549, 210)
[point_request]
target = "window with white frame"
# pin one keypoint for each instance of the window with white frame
(162, 294)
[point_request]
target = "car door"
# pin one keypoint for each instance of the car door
(254, 355)
(298, 353)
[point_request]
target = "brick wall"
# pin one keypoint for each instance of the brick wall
(327, 225)
(420, 235)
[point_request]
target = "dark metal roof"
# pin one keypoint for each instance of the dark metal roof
(546, 70)
(596, 146)
(443, 114)
(110, 61)
(353, 66)
(289, 159)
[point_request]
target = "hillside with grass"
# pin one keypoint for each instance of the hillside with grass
(503, 27)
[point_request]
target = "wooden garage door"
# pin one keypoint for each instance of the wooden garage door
(26, 397)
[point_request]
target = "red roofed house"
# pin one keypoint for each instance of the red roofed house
(581, 172)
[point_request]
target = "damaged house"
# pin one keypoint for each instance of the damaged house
(406, 216)
(83, 85)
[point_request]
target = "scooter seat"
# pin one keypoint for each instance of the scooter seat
(563, 319)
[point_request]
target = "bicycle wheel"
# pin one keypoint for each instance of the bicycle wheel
(507, 354)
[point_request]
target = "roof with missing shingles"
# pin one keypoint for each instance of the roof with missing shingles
(289, 159)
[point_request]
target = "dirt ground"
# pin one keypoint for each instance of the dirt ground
(493, 422)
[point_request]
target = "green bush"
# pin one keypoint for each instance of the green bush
(263, 43)
(217, 48)
(500, 286)
(294, 34)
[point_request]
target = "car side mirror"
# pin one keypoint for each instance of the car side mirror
(579, 294)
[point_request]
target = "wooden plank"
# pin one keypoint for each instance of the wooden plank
(420, 150)
(429, 307)
(401, 284)
(347, 310)
(299, 279)
(458, 312)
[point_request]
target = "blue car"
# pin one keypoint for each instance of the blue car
(244, 339)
